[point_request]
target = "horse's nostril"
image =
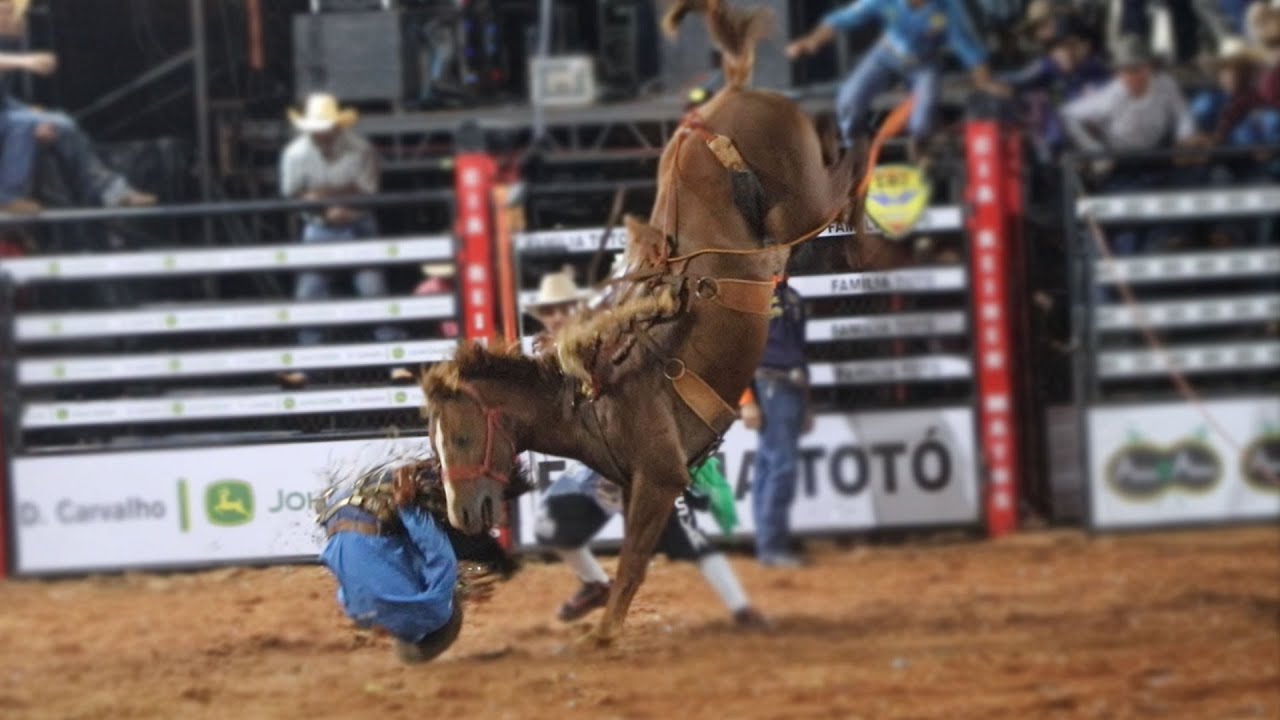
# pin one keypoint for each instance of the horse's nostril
(486, 512)
(466, 519)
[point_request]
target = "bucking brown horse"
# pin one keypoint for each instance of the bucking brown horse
(645, 387)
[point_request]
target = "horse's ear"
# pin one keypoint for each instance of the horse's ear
(439, 381)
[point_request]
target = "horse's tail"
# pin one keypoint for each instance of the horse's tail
(734, 32)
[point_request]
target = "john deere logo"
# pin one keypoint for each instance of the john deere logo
(228, 503)
(897, 198)
(1260, 463)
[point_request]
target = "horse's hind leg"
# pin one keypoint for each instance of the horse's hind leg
(653, 493)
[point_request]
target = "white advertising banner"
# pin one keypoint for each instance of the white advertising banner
(856, 471)
(1163, 464)
(178, 507)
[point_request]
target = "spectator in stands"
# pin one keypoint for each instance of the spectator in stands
(25, 129)
(439, 281)
(1264, 92)
(1067, 70)
(777, 405)
(328, 160)
(915, 34)
(1237, 68)
(1139, 110)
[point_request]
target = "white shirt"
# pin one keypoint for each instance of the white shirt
(352, 163)
(1111, 118)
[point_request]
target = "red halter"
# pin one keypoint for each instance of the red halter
(493, 427)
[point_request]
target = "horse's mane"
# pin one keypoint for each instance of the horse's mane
(473, 361)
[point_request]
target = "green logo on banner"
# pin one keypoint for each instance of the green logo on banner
(393, 251)
(282, 256)
(170, 262)
(175, 364)
(55, 328)
(397, 353)
(54, 267)
(289, 403)
(177, 408)
(282, 315)
(59, 371)
(229, 503)
(62, 414)
(171, 320)
(394, 309)
(286, 359)
(401, 397)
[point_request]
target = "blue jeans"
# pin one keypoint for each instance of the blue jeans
(90, 181)
(872, 76)
(774, 486)
(317, 285)
(402, 583)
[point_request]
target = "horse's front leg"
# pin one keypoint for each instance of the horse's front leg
(651, 498)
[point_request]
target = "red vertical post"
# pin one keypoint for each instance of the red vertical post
(990, 196)
(475, 174)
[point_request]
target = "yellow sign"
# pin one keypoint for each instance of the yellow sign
(897, 198)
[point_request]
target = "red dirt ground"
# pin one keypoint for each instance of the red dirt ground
(1042, 625)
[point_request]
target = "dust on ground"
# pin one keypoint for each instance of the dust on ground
(1041, 625)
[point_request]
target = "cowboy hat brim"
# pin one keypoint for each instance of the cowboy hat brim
(344, 119)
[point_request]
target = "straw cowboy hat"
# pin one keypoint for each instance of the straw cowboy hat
(322, 114)
(555, 289)
(1235, 50)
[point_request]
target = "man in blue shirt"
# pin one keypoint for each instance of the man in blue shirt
(778, 406)
(915, 34)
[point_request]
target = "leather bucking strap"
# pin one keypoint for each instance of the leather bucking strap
(360, 527)
(750, 297)
(701, 398)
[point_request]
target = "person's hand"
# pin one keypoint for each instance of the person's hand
(41, 63)
(751, 416)
(996, 88)
(799, 48)
(46, 133)
(339, 215)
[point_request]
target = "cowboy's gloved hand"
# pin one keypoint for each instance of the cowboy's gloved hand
(751, 416)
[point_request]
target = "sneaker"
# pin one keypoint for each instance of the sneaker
(781, 560)
(435, 643)
(749, 618)
(589, 597)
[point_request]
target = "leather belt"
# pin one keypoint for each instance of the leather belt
(795, 376)
(360, 527)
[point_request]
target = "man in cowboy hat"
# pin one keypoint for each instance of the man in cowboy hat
(438, 280)
(25, 129)
(558, 299)
(1264, 92)
(329, 160)
(1236, 67)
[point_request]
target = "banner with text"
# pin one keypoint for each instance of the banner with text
(1164, 464)
(178, 507)
(856, 471)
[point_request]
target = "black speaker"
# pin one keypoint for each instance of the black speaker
(628, 33)
(356, 55)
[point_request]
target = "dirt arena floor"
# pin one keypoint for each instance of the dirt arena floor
(1042, 625)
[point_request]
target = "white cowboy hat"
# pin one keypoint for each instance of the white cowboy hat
(322, 114)
(438, 270)
(556, 288)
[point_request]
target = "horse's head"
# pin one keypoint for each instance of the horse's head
(477, 451)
